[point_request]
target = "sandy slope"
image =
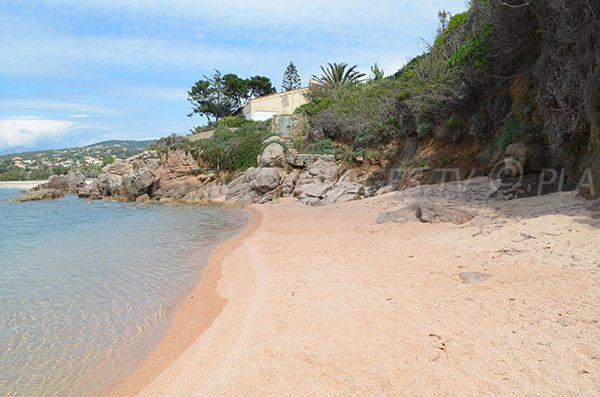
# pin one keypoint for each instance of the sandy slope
(323, 301)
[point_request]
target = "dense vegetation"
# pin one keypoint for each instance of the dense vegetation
(502, 72)
(234, 146)
(217, 96)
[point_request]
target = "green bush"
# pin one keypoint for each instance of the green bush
(473, 50)
(360, 116)
(456, 21)
(324, 146)
(517, 128)
(230, 150)
(314, 106)
(233, 121)
(424, 126)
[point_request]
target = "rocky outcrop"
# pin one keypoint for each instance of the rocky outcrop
(172, 175)
(69, 183)
(425, 211)
(323, 181)
(40, 194)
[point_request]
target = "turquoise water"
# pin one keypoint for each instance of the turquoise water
(85, 287)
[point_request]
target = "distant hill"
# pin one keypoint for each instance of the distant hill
(129, 145)
(88, 159)
(13, 150)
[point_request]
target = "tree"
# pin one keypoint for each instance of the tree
(291, 79)
(236, 88)
(444, 17)
(208, 98)
(337, 75)
(259, 86)
(218, 96)
(376, 72)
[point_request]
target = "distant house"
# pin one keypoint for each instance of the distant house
(265, 107)
(18, 161)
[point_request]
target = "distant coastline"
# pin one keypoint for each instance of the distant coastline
(20, 184)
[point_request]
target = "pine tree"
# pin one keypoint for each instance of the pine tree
(291, 79)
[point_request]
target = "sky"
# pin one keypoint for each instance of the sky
(76, 72)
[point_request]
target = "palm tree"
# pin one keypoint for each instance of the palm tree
(337, 75)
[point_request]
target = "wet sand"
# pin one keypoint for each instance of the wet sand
(193, 315)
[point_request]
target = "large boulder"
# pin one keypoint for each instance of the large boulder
(41, 194)
(344, 191)
(273, 155)
(323, 169)
(267, 179)
(69, 183)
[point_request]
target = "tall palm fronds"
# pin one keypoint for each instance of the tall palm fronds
(337, 75)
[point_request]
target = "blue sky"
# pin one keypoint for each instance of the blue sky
(75, 72)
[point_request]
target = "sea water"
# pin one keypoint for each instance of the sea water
(86, 287)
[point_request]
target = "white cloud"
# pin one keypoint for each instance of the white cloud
(52, 105)
(26, 132)
(79, 116)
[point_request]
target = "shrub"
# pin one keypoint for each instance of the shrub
(360, 116)
(324, 146)
(517, 128)
(424, 126)
(455, 22)
(233, 121)
(473, 50)
(228, 149)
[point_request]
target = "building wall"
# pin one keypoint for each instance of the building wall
(266, 107)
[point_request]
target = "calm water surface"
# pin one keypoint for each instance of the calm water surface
(85, 287)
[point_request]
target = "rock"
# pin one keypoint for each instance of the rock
(272, 139)
(76, 181)
(386, 189)
(317, 189)
(595, 206)
(344, 191)
(324, 169)
(473, 277)
(144, 198)
(90, 191)
(425, 212)
(267, 179)
(42, 194)
(173, 175)
(402, 215)
(69, 183)
(289, 183)
(524, 159)
(209, 191)
(299, 160)
(272, 156)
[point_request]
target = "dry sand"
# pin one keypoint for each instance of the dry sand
(20, 184)
(325, 302)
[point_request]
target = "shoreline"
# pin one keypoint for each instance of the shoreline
(192, 315)
(20, 184)
(325, 301)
